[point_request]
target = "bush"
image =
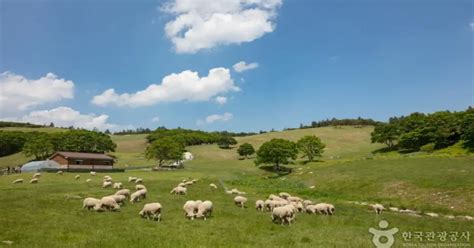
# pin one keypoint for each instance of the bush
(430, 147)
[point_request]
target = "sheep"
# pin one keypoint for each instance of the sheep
(77, 177)
(330, 208)
(204, 210)
(283, 214)
(189, 183)
(37, 175)
(107, 178)
(93, 173)
(294, 199)
(393, 209)
(190, 208)
(228, 192)
(17, 181)
(90, 202)
(274, 197)
(213, 186)
(138, 180)
(178, 191)
(107, 202)
(106, 184)
(268, 205)
(117, 185)
(60, 172)
(320, 208)
(132, 179)
(138, 195)
(298, 206)
(260, 205)
(151, 210)
(194, 180)
(124, 192)
(119, 198)
(378, 208)
(240, 201)
(140, 186)
(284, 195)
(89, 180)
(182, 185)
(34, 180)
(307, 202)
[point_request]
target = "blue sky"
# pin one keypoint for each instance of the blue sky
(316, 60)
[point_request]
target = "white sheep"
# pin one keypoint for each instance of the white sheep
(189, 183)
(283, 214)
(213, 186)
(151, 211)
(90, 202)
(138, 195)
(19, 180)
(34, 180)
(190, 208)
(107, 178)
(106, 184)
(204, 210)
(320, 208)
(268, 205)
(393, 209)
(132, 179)
(124, 192)
(294, 199)
(60, 172)
(117, 185)
(260, 205)
(194, 180)
(119, 198)
(77, 177)
(37, 175)
(284, 195)
(138, 180)
(307, 202)
(89, 180)
(274, 197)
(140, 186)
(178, 191)
(298, 205)
(240, 201)
(378, 208)
(93, 173)
(182, 185)
(107, 202)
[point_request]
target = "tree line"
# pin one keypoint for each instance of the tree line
(18, 124)
(359, 122)
(427, 132)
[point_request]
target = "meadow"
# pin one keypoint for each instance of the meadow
(50, 213)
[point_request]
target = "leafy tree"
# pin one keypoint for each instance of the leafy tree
(83, 141)
(163, 150)
(276, 152)
(107, 131)
(385, 133)
(39, 146)
(245, 150)
(311, 146)
(226, 141)
(467, 130)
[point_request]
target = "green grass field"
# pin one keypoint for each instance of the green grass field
(49, 214)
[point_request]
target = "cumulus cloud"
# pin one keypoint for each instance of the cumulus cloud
(221, 100)
(65, 117)
(155, 119)
(216, 117)
(204, 24)
(18, 93)
(184, 86)
(243, 66)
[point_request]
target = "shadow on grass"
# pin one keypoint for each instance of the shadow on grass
(469, 146)
(282, 170)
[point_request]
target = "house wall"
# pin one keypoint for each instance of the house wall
(86, 163)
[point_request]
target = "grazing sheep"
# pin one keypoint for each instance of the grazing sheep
(378, 208)
(106, 184)
(189, 183)
(117, 185)
(89, 180)
(90, 202)
(140, 186)
(298, 206)
(124, 192)
(434, 215)
(268, 205)
(260, 205)
(284, 195)
(77, 177)
(213, 186)
(320, 208)
(138, 195)
(37, 175)
(119, 198)
(330, 208)
(138, 180)
(274, 197)
(17, 181)
(59, 172)
(283, 214)
(393, 209)
(151, 211)
(34, 180)
(294, 199)
(307, 202)
(132, 179)
(107, 178)
(228, 192)
(93, 173)
(178, 191)
(194, 180)
(190, 208)
(204, 210)
(240, 201)
(108, 203)
(182, 185)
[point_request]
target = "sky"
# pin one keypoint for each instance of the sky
(238, 65)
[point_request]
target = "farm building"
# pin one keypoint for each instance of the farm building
(80, 160)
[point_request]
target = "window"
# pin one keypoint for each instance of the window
(78, 161)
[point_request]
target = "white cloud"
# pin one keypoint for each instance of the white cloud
(471, 25)
(155, 119)
(213, 118)
(65, 117)
(221, 100)
(204, 24)
(243, 66)
(18, 93)
(184, 86)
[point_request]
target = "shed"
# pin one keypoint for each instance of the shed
(82, 160)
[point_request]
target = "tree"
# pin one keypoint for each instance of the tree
(276, 152)
(83, 141)
(226, 141)
(39, 146)
(385, 133)
(467, 130)
(245, 150)
(311, 146)
(163, 150)
(107, 131)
